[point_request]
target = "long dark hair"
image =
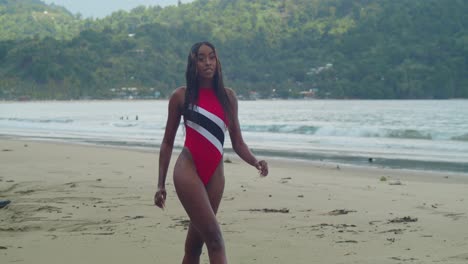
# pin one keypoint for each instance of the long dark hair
(192, 87)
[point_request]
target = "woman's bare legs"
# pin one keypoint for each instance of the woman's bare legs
(194, 242)
(201, 204)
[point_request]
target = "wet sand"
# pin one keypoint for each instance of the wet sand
(88, 204)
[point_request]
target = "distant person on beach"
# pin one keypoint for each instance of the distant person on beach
(208, 109)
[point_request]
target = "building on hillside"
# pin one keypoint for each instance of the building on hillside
(310, 94)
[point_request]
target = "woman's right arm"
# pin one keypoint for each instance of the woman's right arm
(172, 124)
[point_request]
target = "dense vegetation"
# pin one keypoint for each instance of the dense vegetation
(32, 18)
(339, 48)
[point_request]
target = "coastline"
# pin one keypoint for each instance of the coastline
(78, 203)
(362, 161)
(354, 132)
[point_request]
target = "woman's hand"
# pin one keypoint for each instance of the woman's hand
(262, 167)
(160, 198)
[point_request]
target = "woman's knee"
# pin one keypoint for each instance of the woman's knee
(214, 238)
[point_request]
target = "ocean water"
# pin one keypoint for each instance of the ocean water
(409, 134)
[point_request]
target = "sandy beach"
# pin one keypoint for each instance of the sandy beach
(88, 204)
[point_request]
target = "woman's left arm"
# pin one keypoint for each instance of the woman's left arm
(237, 141)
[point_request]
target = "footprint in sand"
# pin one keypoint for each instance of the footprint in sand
(434, 208)
(403, 259)
(455, 216)
(25, 192)
(463, 256)
(49, 209)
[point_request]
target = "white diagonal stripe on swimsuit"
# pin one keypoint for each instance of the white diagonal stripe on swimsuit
(205, 133)
(218, 121)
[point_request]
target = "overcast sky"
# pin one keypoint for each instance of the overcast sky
(102, 8)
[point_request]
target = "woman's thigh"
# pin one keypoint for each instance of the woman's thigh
(215, 187)
(193, 194)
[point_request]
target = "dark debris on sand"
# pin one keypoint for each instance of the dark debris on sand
(406, 219)
(341, 212)
(4, 203)
(268, 210)
(180, 222)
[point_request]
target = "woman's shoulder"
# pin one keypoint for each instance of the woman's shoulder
(231, 93)
(178, 97)
(178, 93)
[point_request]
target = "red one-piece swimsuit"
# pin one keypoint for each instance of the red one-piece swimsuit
(205, 126)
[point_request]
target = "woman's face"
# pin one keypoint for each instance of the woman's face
(206, 62)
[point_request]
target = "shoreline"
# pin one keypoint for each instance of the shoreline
(454, 168)
(75, 203)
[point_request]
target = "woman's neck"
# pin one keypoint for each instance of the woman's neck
(208, 83)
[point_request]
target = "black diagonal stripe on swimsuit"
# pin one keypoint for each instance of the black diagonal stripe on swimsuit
(206, 123)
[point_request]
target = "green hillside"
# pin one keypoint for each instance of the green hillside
(339, 48)
(32, 18)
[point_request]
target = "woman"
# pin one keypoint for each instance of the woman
(208, 109)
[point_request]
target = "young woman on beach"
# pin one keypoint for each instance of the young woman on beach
(208, 109)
